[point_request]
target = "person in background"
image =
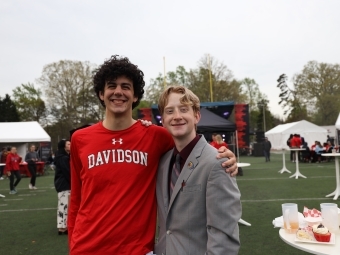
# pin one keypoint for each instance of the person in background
(306, 156)
(31, 158)
(213, 142)
(219, 142)
(12, 169)
(3, 155)
(266, 146)
(289, 144)
(50, 160)
(319, 149)
(62, 183)
(295, 143)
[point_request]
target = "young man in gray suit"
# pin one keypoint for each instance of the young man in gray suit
(198, 203)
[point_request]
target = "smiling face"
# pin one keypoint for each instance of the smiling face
(118, 96)
(180, 119)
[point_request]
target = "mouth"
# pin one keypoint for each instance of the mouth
(178, 124)
(117, 101)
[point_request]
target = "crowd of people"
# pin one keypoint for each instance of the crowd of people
(313, 153)
(10, 166)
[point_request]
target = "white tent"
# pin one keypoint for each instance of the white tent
(279, 135)
(337, 129)
(337, 123)
(20, 133)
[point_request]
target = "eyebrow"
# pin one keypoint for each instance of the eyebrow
(114, 82)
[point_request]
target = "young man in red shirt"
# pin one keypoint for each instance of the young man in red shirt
(12, 169)
(113, 170)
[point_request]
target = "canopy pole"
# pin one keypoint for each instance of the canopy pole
(237, 153)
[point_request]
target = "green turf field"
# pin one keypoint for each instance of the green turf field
(28, 219)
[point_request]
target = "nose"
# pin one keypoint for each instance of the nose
(118, 90)
(177, 114)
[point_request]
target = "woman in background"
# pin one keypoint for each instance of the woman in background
(62, 183)
(219, 142)
(12, 169)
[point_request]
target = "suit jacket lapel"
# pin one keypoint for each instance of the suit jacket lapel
(188, 168)
(165, 178)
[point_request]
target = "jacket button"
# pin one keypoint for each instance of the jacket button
(168, 232)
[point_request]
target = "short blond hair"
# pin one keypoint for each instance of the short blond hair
(188, 98)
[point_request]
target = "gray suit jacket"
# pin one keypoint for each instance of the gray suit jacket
(202, 216)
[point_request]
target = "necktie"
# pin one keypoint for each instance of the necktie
(176, 170)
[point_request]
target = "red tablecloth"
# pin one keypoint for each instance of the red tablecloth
(24, 168)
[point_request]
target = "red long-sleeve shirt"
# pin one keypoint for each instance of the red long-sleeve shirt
(113, 184)
(295, 142)
(12, 162)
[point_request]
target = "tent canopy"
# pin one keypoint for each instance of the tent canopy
(279, 135)
(337, 123)
(22, 132)
(210, 122)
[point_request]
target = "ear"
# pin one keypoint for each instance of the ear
(101, 95)
(197, 117)
(135, 99)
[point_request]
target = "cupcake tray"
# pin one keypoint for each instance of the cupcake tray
(331, 241)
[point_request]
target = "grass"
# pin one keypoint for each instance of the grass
(28, 219)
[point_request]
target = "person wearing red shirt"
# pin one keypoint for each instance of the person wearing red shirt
(295, 142)
(113, 170)
(219, 142)
(12, 169)
(213, 137)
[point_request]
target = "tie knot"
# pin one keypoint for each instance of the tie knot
(178, 158)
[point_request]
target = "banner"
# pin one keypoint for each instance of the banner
(242, 124)
(44, 151)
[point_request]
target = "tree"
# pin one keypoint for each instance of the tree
(8, 110)
(29, 104)
(225, 87)
(292, 101)
(254, 96)
(319, 86)
(154, 89)
(69, 89)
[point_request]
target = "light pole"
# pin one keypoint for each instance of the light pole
(264, 114)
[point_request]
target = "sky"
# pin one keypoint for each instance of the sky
(259, 39)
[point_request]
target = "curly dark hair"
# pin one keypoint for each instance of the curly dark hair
(112, 69)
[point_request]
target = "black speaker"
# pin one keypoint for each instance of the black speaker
(258, 151)
(259, 136)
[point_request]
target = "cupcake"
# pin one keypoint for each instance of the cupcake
(321, 233)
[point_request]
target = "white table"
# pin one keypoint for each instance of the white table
(336, 192)
(2, 164)
(284, 169)
(243, 164)
(297, 172)
(319, 249)
(240, 220)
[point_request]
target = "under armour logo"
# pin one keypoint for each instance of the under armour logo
(120, 141)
